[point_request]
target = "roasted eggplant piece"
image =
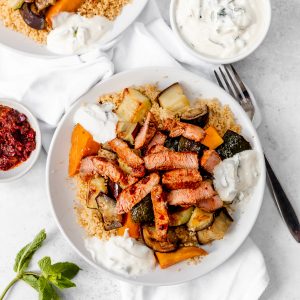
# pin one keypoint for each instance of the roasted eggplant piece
(233, 143)
(31, 18)
(172, 143)
(197, 116)
(149, 237)
(186, 145)
(200, 220)
(173, 99)
(128, 131)
(217, 230)
(114, 189)
(108, 210)
(186, 237)
(95, 186)
(143, 211)
(134, 106)
(180, 216)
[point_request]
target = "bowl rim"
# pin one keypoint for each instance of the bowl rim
(113, 274)
(214, 60)
(38, 138)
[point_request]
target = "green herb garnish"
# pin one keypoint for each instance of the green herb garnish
(51, 276)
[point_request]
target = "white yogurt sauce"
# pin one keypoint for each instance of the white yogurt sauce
(235, 176)
(75, 34)
(121, 254)
(99, 120)
(219, 28)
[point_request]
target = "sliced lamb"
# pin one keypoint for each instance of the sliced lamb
(158, 139)
(210, 160)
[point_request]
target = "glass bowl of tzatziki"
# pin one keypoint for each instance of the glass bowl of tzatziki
(220, 31)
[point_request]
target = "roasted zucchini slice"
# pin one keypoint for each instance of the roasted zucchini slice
(186, 145)
(181, 216)
(200, 220)
(233, 143)
(134, 106)
(149, 237)
(172, 143)
(95, 186)
(217, 230)
(143, 211)
(108, 210)
(173, 99)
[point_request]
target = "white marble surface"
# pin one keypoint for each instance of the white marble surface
(273, 73)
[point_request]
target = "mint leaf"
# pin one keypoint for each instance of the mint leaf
(45, 265)
(61, 282)
(66, 269)
(46, 290)
(31, 280)
(24, 256)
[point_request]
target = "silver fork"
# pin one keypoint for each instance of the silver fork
(231, 82)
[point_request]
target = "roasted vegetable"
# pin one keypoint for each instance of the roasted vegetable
(95, 187)
(217, 230)
(143, 211)
(132, 227)
(114, 189)
(61, 6)
(15, 4)
(107, 208)
(186, 145)
(185, 236)
(196, 115)
(134, 106)
(233, 143)
(173, 99)
(31, 17)
(180, 216)
(82, 144)
(149, 237)
(166, 260)
(200, 220)
(172, 143)
(212, 139)
(127, 131)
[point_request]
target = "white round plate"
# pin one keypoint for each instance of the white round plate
(23, 43)
(61, 191)
(23, 168)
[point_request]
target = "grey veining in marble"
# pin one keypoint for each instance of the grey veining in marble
(273, 73)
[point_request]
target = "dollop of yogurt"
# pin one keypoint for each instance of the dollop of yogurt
(219, 28)
(235, 176)
(121, 254)
(75, 34)
(99, 120)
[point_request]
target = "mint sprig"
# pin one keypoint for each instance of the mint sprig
(51, 276)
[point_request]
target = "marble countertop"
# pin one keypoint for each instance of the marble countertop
(273, 73)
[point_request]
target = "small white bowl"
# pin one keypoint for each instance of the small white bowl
(17, 172)
(214, 60)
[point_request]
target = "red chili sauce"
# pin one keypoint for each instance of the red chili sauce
(17, 138)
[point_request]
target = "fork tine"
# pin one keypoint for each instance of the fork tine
(229, 89)
(219, 80)
(237, 91)
(240, 82)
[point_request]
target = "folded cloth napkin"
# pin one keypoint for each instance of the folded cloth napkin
(242, 277)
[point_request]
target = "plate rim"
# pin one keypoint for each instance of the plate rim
(132, 279)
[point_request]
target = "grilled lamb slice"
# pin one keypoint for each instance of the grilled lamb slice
(158, 139)
(182, 179)
(210, 160)
(189, 131)
(210, 204)
(188, 197)
(161, 216)
(125, 153)
(107, 168)
(170, 160)
(146, 133)
(133, 194)
(157, 149)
